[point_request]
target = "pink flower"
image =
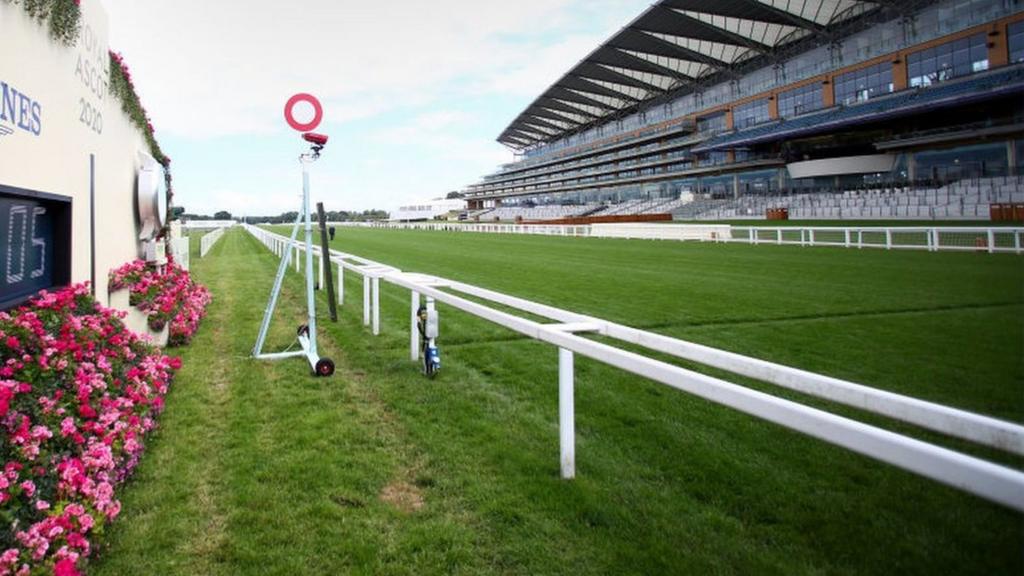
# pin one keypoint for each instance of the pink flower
(65, 567)
(99, 390)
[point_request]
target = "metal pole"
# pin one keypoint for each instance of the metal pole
(566, 413)
(414, 332)
(325, 262)
(310, 301)
(268, 313)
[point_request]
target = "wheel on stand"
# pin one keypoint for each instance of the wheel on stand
(429, 366)
(324, 367)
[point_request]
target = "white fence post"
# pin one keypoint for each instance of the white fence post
(566, 413)
(320, 272)
(375, 282)
(341, 282)
(366, 300)
(414, 332)
(888, 238)
(297, 259)
(991, 241)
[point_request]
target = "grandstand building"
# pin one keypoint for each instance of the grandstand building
(731, 108)
(436, 209)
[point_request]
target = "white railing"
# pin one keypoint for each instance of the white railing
(983, 478)
(179, 249)
(207, 224)
(931, 238)
(208, 240)
(945, 238)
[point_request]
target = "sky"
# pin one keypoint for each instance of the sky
(414, 92)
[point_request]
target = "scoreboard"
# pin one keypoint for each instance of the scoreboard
(35, 243)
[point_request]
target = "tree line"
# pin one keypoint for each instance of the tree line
(286, 217)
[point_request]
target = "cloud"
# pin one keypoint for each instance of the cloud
(414, 92)
(217, 68)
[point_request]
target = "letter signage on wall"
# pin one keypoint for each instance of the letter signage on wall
(19, 111)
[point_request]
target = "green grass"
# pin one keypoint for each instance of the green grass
(261, 469)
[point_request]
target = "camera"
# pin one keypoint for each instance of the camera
(318, 142)
(315, 139)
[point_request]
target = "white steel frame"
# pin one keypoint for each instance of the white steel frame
(307, 338)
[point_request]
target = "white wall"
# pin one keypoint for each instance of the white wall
(869, 164)
(68, 81)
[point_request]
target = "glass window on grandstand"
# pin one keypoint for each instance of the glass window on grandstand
(713, 158)
(950, 60)
(751, 113)
(718, 186)
(800, 100)
(711, 124)
(864, 84)
(952, 164)
(1015, 38)
(760, 182)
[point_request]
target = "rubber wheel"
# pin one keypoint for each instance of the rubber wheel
(303, 330)
(324, 367)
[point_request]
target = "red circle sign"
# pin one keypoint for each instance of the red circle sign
(318, 112)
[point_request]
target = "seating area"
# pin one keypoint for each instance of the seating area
(546, 212)
(635, 206)
(962, 200)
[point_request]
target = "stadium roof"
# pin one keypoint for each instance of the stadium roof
(676, 46)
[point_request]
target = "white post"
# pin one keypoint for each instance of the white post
(366, 300)
(811, 234)
(1016, 242)
(320, 272)
(296, 257)
(888, 238)
(991, 241)
(376, 305)
(778, 236)
(846, 237)
(341, 282)
(566, 413)
(414, 332)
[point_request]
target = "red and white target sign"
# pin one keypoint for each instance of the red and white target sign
(289, 112)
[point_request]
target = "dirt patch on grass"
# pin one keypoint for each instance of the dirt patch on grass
(402, 495)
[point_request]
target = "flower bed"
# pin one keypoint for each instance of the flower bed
(78, 393)
(168, 296)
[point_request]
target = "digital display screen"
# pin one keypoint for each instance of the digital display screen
(35, 247)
